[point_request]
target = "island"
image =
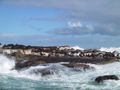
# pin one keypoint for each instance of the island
(26, 56)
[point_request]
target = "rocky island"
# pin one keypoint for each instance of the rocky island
(35, 55)
(76, 59)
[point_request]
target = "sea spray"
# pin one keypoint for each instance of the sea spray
(6, 64)
(35, 72)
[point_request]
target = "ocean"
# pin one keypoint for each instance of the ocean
(63, 78)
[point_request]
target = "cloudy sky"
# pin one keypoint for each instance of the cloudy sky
(87, 23)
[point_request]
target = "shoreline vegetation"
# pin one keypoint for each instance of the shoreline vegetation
(27, 56)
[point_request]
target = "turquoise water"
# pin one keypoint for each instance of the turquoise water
(17, 83)
(63, 78)
(10, 83)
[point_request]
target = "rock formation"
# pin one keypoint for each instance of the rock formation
(100, 79)
(79, 66)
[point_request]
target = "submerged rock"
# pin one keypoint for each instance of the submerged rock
(79, 66)
(29, 63)
(43, 72)
(46, 69)
(100, 79)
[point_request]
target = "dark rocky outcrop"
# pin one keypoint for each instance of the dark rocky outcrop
(100, 79)
(79, 66)
(31, 60)
(46, 72)
(28, 63)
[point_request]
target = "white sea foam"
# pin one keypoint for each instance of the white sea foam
(6, 64)
(77, 48)
(111, 49)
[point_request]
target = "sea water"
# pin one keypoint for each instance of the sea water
(62, 79)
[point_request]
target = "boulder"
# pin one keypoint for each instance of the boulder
(79, 66)
(100, 79)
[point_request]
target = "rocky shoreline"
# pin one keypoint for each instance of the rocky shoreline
(27, 56)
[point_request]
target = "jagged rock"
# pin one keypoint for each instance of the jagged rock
(100, 79)
(79, 66)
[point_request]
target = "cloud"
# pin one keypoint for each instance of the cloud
(76, 28)
(74, 24)
(100, 16)
(79, 7)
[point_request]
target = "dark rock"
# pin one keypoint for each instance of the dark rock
(79, 66)
(46, 72)
(100, 79)
(29, 63)
(96, 60)
(31, 60)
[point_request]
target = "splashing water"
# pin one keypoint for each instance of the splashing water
(62, 79)
(6, 64)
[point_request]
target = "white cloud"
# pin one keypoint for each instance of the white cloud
(74, 24)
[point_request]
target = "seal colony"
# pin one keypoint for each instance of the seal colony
(77, 59)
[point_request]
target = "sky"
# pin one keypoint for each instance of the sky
(86, 23)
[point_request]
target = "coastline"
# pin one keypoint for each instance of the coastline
(27, 56)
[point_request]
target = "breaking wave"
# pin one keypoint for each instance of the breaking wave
(6, 64)
(111, 49)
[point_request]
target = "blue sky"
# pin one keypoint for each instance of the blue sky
(87, 23)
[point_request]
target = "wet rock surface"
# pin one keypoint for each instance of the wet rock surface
(79, 66)
(100, 79)
(28, 61)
